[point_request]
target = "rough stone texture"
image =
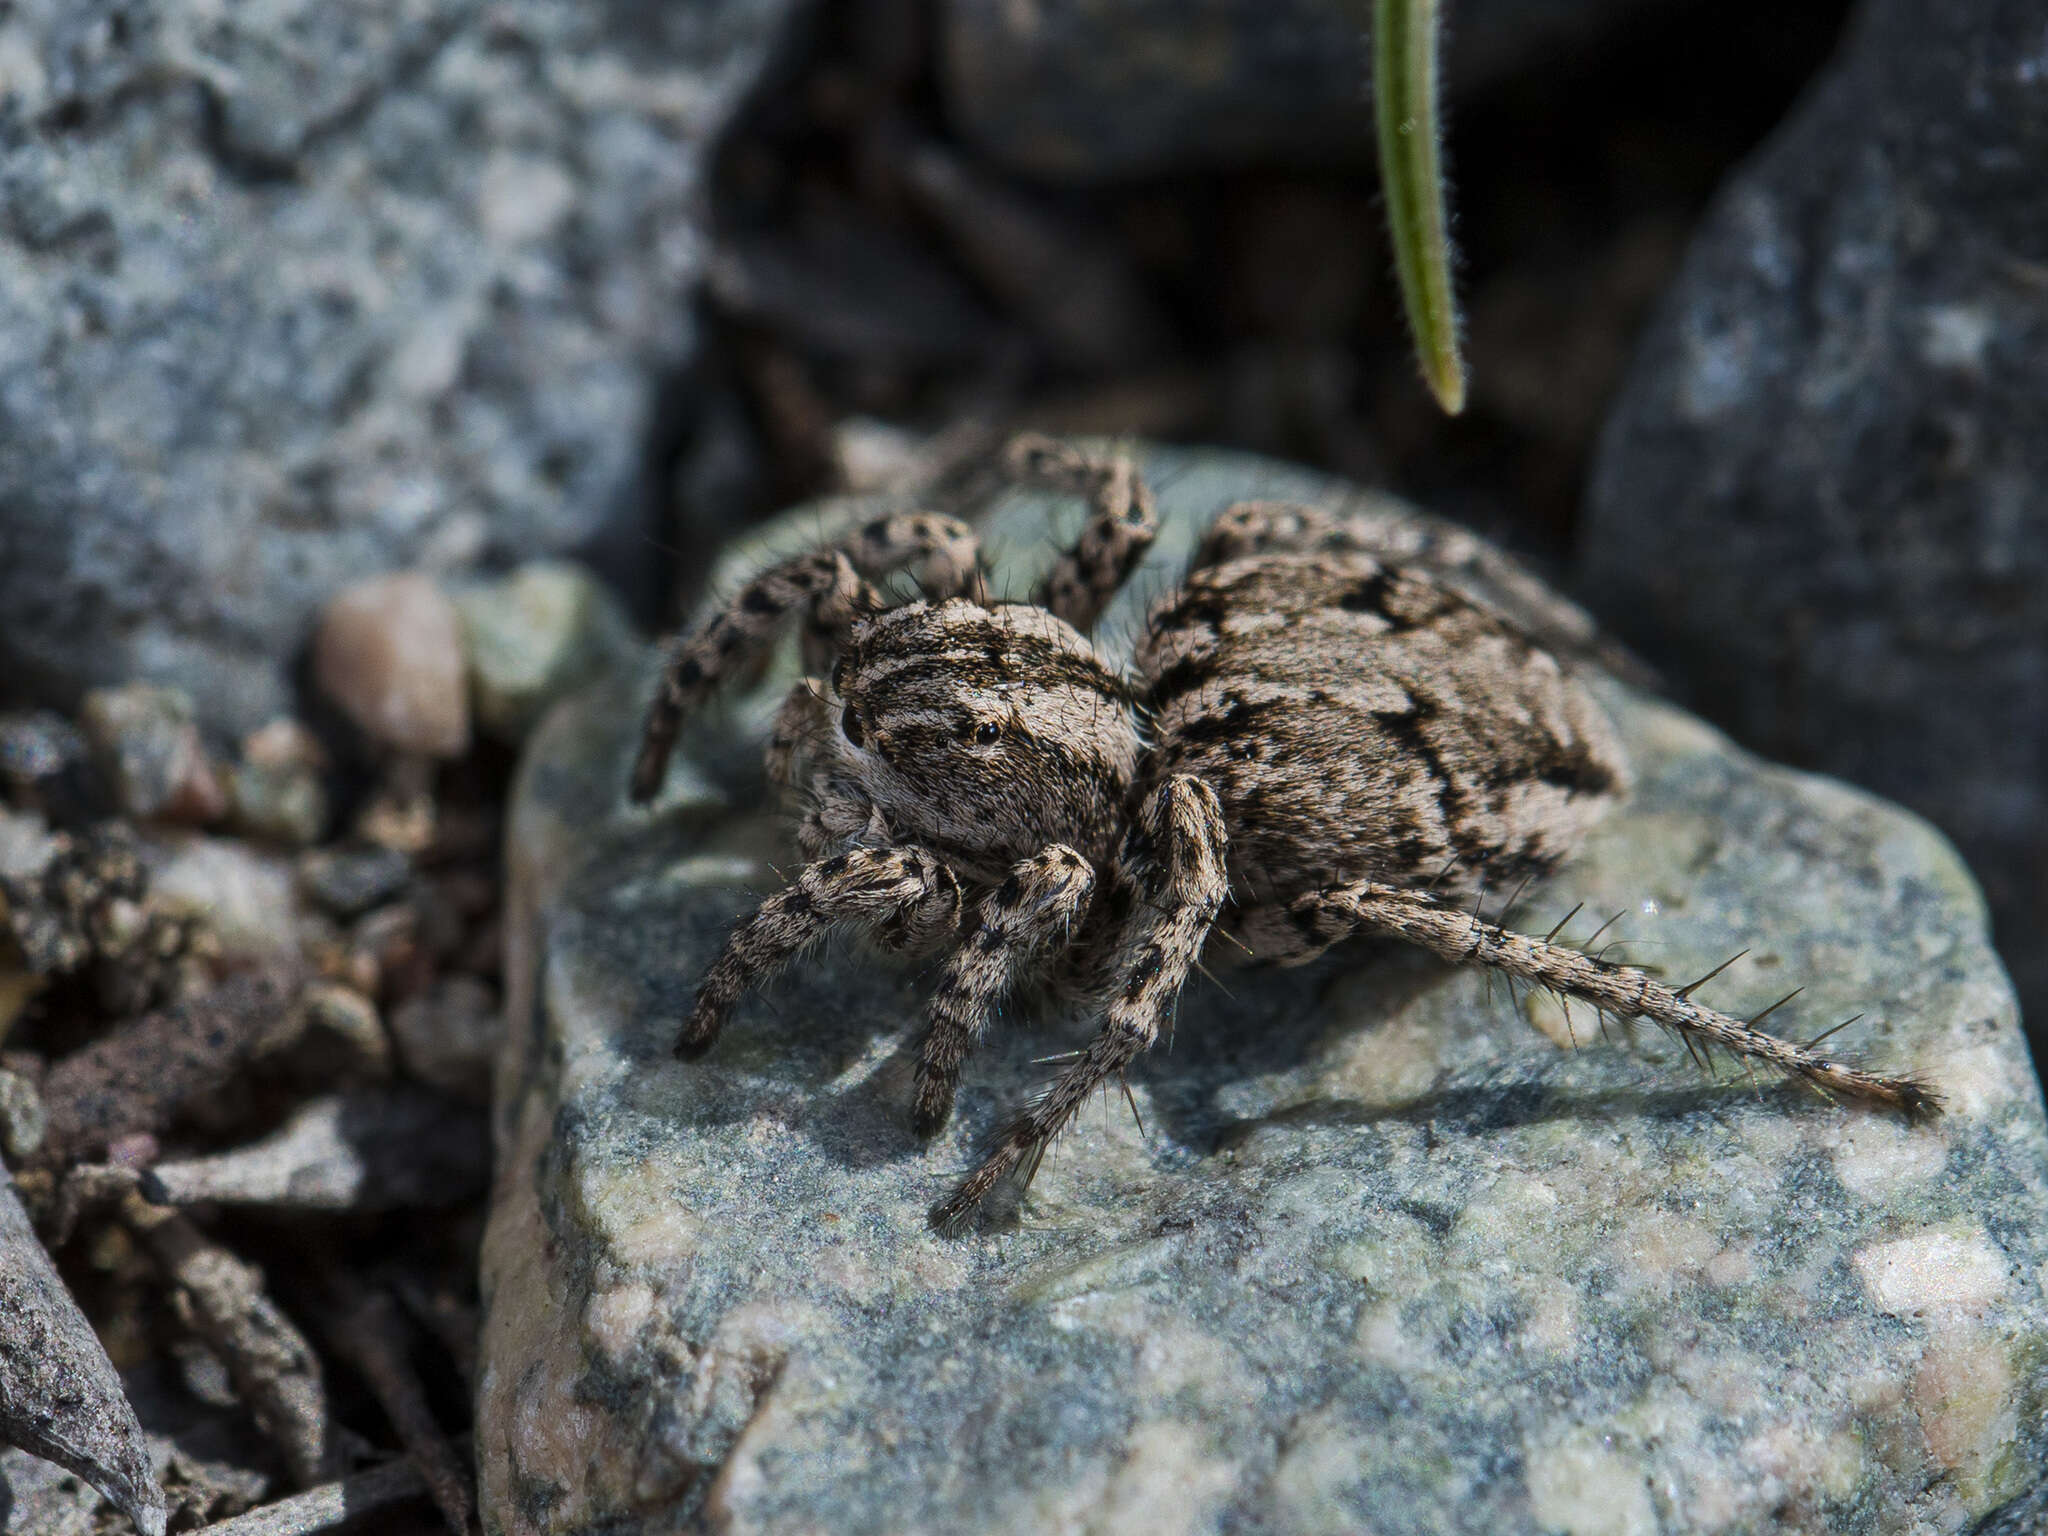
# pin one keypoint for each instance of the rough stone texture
(1079, 91)
(291, 292)
(59, 1396)
(1384, 1257)
(1818, 502)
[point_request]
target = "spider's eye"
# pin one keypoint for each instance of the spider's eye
(849, 725)
(987, 734)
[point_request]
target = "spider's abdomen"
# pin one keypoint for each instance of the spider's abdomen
(1360, 721)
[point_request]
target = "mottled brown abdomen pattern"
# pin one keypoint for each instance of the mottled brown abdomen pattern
(1361, 721)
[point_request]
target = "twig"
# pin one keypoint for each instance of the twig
(376, 1151)
(329, 1506)
(221, 1299)
(369, 1332)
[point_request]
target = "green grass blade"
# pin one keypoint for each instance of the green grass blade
(1404, 45)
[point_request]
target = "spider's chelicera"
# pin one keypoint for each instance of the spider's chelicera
(1324, 734)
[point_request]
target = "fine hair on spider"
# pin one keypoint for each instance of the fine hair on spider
(1343, 722)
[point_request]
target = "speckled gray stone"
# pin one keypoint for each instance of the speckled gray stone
(1384, 1256)
(294, 292)
(1818, 501)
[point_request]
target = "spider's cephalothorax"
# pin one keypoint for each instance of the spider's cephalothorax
(1325, 735)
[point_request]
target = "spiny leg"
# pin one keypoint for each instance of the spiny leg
(830, 585)
(1175, 855)
(907, 896)
(1032, 912)
(1624, 991)
(1121, 526)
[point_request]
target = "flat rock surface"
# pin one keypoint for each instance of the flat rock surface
(1384, 1256)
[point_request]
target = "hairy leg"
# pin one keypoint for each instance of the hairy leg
(1175, 855)
(906, 896)
(1461, 938)
(829, 586)
(1121, 526)
(1030, 914)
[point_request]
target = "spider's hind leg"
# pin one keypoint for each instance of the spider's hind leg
(1122, 523)
(1626, 992)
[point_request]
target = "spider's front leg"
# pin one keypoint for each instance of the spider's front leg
(1175, 857)
(830, 586)
(1121, 526)
(1031, 914)
(905, 896)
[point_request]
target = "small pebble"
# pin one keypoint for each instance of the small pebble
(341, 1036)
(280, 787)
(449, 1036)
(389, 652)
(246, 896)
(145, 740)
(46, 766)
(349, 881)
(22, 1121)
(533, 637)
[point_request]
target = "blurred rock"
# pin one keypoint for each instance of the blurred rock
(146, 742)
(244, 895)
(533, 637)
(279, 787)
(846, 287)
(46, 767)
(389, 652)
(347, 882)
(1381, 1257)
(340, 1037)
(1817, 503)
(22, 1121)
(294, 293)
(1077, 91)
(449, 1035)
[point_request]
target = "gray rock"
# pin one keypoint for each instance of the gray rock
(279, 787)
(1077, 91)
(146, 742)
(1817, 503)
(533, 637)
(292, 293)
(1382, 1257)
(347, 882)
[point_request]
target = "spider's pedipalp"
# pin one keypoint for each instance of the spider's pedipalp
(905, 896)
(1180, 847)
(1034, 911)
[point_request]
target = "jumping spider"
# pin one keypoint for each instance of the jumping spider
(1323, 737)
